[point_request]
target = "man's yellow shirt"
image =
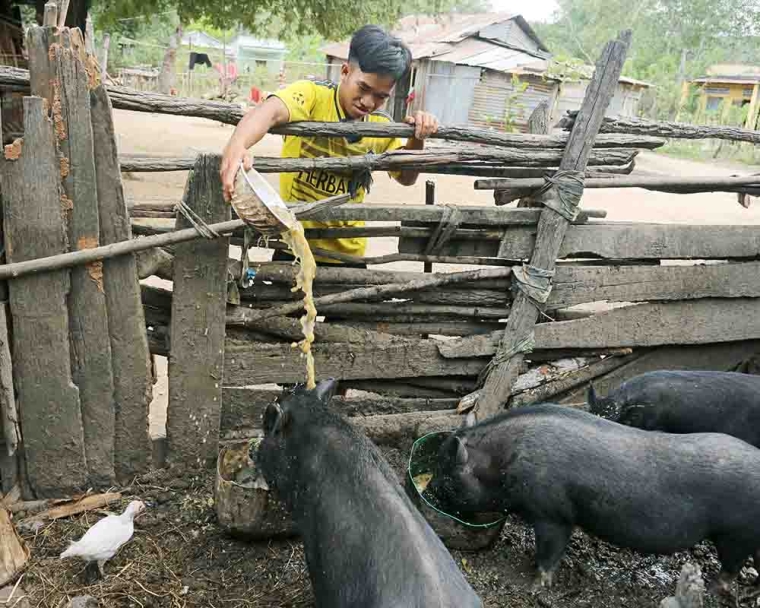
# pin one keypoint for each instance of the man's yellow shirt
(318, 101)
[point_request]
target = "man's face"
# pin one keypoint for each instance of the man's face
(362, 93)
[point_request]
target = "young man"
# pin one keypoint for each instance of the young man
(376, 61)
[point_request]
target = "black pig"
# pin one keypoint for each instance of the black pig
(558, 468)
(365, 543)
(686, 402)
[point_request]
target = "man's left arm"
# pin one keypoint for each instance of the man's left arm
(425, 124)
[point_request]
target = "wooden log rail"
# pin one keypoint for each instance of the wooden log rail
(675, 130)
(470, 215)
(508, 190)
(124, 98)
(399, 159)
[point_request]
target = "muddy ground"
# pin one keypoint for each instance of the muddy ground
(179, 557)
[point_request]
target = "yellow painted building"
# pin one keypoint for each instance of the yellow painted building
(738, 84)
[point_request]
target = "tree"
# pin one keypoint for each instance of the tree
(673, 40)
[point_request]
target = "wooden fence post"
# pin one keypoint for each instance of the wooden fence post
(126, 319)
(552, 226)
(199, 299)
(50, 411)
(63, 66)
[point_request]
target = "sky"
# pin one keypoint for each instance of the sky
(532, 10)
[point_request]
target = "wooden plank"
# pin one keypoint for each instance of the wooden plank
(702, 321)
(88, 319)
(570, 380)
(133, 385)
(580, 284)
(242, 408)
(197, 329)
(480, 216)
(615, 241)
(50, 411)
(718, 357)
(262, 363)
(682, 322)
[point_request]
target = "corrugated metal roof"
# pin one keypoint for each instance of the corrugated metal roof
(742, 79)
(431, 36)
(480, 53)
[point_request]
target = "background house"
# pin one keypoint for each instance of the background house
(736, 84)
(251, 53)
(485, 70)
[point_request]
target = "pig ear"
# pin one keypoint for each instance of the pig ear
(458, 451)
(326, 389)
(275, 420)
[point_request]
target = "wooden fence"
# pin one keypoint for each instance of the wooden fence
(420, 348)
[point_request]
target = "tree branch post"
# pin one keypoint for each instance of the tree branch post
(504, 367)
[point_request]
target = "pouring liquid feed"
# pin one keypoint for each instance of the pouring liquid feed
(304, 281)
(259, 205)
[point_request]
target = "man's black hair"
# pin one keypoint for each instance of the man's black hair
(376, 51)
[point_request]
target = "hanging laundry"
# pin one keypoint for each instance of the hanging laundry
(199, 58)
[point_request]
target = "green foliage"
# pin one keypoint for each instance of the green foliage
(673, 40)
(435, 7)
(514, 107)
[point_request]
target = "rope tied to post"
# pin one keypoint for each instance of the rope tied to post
(562, 193)
(362, 178)
(444, 230)
(505, 353)
(534, 282)
(196, 221)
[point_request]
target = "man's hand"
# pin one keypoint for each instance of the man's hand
(231, 158)
(425, 124)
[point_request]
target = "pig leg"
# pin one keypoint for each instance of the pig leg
(731, 555)
(551, 542)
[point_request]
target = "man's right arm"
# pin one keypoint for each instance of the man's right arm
(249, 131)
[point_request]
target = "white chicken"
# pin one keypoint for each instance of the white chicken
(101, 542)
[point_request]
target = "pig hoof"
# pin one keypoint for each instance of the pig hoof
(543, 581)
(720, 587)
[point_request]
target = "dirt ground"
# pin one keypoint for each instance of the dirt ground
(180, 557)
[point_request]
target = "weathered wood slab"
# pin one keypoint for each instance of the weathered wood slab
(9, 421)
(197, 327)
(569, 381)
(88, 319)
(717, 357)
(126, 321)
(263, 363)
(616, 241)
(50, 411)
(702, 321)
(242, 408)
(580, 284)
(13, 551)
